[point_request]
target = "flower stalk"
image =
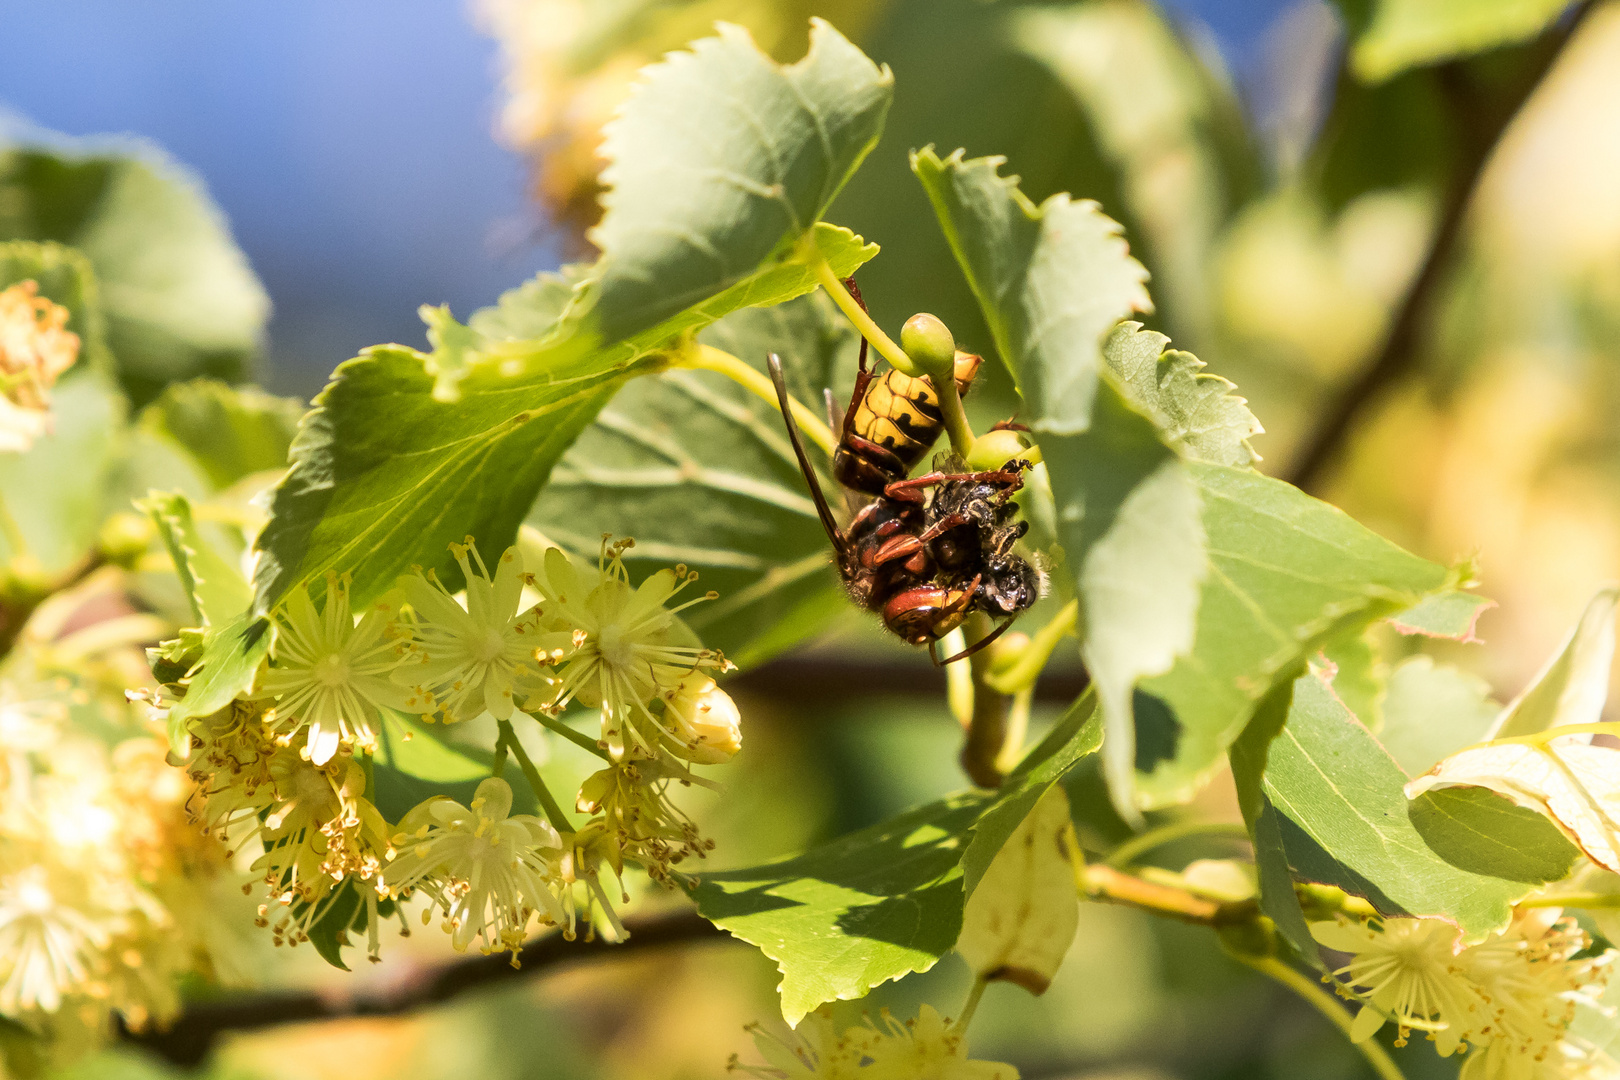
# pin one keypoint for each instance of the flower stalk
(700, 357)
(554, 813)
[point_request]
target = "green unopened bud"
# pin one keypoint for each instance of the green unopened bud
(124, 538)
(994, 449)
(928, 342)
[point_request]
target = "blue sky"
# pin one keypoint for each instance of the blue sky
(349, 143)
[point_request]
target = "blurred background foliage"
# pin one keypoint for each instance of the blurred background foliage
(1284, 169)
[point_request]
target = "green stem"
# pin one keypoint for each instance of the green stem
(987, 725)
(1012, 750)
(578, 738)
(554, 813)
(870, 330)
(1580, 900)
(958, 678)
(1130, 850)
(1033, 659)
(956, 421)
(708, 358)
(1328, 1005)
(497, 766)
(971, 1005)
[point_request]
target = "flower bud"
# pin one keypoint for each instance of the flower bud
(705, 719)
(928, 342)
(994, 449)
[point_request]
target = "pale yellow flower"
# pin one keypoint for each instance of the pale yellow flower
(474, 659)
(487, 870)
(35, 348)
(703, 720)
(927, 1048)
(618, 642)
(329, 675)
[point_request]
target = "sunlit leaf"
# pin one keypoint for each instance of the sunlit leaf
(1197, 412)
(1288, 575)
(886, 901)
(1452, 614)
(864, 909)
(60, 491)
(1327, 774)
(1576, 785)
(722, 164)
(1479, 830)
(1052, 281)
(208, 570)
(1171, 127)
(700, 472)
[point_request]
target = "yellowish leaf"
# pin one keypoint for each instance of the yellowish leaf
(1021, 920)
(1575, 784)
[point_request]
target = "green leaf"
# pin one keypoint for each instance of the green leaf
(1052, 280)
(722, 162)
(700, 472)
(64, 277)
(1287, 575)
(721, 157)
(1485, 833)
(211, 577)
(1357, 677)
(1075, 736)
(866, 908)
(1432, 710)
(1451, 614)
(1248, 756)
(1574, 684)
(344, 913)
(1390, 36)
(412, 765)
(386, 474)
(1128, 520)
(228, 664)
(179, 297)
(58, 493)
(1327, 774)
(886, 901)
(231, 432)
(1196, 412)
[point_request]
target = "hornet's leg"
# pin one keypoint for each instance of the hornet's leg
(975, 647)
(911, 490)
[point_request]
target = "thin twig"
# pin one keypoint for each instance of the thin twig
(1481, 129)
(190, 1038)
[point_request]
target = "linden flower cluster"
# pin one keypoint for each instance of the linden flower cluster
(276, 771)
(35, 348)
(926, 1048)
(1508, 1000)
(107, 893)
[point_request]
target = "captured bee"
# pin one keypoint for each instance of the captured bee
(921, 563)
